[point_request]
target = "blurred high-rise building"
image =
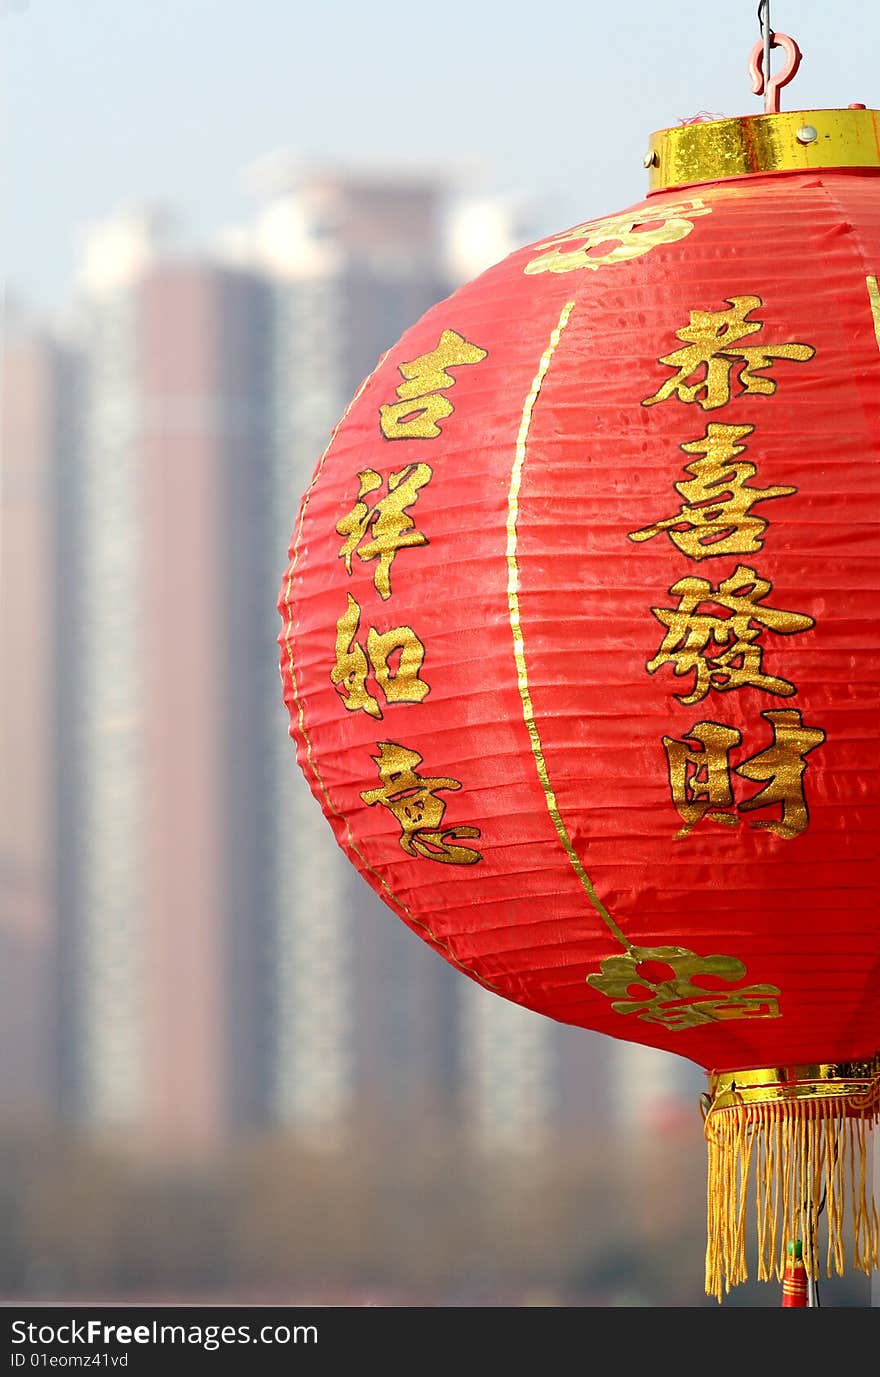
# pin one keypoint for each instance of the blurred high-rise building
(35, 397)
(510, 1073)
(161, 825)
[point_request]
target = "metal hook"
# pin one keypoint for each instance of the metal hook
(773, 85)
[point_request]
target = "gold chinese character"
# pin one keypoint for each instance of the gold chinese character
(415, 420)
(723, 652)
(350, 670)
(419, 410)
(781, 769)
(711, 337)
(715, 518)
(399, 685)
(618, 238)
(387, 522)
(699, 777)
(671, 997)
(413, 801)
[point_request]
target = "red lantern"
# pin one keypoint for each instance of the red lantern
(581, 646)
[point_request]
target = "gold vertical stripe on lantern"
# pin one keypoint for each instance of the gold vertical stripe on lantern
(519, 649)
(874, 298)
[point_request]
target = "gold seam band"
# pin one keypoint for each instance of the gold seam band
(749, 145)
(874, 299)
(519, 649)
(855, 1080)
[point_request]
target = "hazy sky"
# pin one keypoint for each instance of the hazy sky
(111, 102)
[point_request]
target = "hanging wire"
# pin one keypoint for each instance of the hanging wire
(766, 34)
(813, 1282)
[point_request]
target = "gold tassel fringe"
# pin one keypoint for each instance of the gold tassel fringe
(803, 1146)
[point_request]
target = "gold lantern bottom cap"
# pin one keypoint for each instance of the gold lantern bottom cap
(789, 1144)
(855, 1084)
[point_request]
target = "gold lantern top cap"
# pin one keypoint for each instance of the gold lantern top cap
(757, 145)
(712, 148)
